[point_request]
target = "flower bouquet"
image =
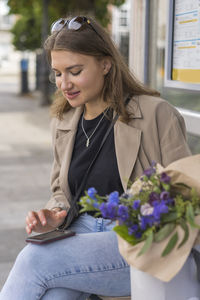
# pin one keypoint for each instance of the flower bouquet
(158, 218)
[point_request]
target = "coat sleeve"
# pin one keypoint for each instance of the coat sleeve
(172, 134)
(58, 198)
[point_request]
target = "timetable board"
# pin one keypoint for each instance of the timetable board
(182, 65)
(186, 44)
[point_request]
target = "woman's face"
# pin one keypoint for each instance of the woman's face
(79, 77)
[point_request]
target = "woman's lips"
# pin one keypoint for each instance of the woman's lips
(71, 95)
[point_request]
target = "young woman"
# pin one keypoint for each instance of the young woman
(92, 83)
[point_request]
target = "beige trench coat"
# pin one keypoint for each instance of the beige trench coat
(155, 132)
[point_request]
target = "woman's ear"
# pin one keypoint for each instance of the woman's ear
(106, 64)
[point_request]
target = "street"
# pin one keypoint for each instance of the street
(25, 165)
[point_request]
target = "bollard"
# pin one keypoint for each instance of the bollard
(24, 76)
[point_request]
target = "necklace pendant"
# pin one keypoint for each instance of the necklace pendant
(87, 143)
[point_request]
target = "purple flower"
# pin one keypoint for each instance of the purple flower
(153, 197)
(138, 234)
(114, 197)
(136, 204)
(91, 193)
(123, 212)
(149, 172)
(159, 209)
(165, 178)
(164, 195)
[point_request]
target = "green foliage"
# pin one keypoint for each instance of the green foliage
(27, 30)
(122, 231)
(27, 34)
(171, 244)
(164, 232)
(148, 242)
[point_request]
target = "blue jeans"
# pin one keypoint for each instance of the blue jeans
(72, 268)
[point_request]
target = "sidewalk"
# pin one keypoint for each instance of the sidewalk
(25, 164)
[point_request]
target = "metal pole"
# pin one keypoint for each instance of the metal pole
(45, 97)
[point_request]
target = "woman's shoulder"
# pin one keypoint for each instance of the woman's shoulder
(155, 105)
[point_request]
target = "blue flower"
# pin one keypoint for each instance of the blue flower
(114, 197)
(95, 205)
(103, 209)
(136, 204)
(133, 229)
(88, 201)
(146, 221)
(165, 178)
(111, 210)
(159, 209)
(91, 193)
(123, 212)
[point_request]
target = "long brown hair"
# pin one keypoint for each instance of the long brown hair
(118, 83)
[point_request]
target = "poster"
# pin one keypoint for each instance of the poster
(186, 42)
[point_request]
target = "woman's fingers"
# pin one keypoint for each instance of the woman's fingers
(42, 217)
(31, 219)
(44, 220)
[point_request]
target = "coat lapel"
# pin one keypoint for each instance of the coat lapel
(66, 133)
(127, 144)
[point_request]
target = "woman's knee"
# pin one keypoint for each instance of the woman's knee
(29, 258)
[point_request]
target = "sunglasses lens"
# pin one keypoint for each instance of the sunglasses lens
(75, 23)
(58, 25)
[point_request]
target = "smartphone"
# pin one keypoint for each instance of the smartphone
(50, 236)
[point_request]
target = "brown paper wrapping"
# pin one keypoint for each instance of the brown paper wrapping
(187, 171)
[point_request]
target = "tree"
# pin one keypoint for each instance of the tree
(27, 29)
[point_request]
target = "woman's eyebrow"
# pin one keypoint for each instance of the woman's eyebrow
(69, 68)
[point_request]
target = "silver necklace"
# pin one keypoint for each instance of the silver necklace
(89, 137)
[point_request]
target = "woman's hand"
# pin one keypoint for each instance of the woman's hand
(44, 220)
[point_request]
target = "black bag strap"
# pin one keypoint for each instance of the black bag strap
(69, 218)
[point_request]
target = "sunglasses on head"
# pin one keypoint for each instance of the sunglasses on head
(74, 24)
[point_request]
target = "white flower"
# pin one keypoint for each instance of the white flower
(146, 209)
(136, 187)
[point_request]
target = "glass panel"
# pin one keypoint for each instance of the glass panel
(178, 97)
(182, 98)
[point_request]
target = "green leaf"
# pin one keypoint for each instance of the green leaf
(122, 231)
(164, 232)
(171, 244)
(180, 184)
(172, 216)
(147, 243)
(190, 216)
(184, 226)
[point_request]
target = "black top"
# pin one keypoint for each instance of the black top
(104, 174)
